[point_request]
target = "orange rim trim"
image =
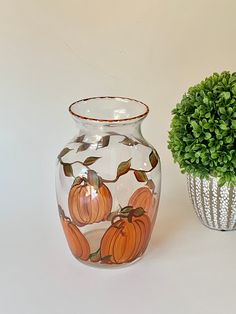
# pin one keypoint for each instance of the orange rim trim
(109, 120)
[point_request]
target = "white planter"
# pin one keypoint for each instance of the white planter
(214, 205)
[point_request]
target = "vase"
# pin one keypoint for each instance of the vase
(108, 182)
(214, 205)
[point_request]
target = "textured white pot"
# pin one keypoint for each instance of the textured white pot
(214, 205)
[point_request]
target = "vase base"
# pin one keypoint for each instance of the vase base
(94, 238)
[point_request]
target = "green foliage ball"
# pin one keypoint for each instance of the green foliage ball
(202, 136)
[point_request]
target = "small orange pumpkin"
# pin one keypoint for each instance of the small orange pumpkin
(88, 205)
(126, 239)
(143, 197)
(77, 242)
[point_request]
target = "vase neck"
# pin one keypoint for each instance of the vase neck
(97, 116)
(98, 128)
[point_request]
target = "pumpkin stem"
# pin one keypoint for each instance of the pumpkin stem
(130, 216)
(111, 215)
(128, 212)
(118, 215)
(139, 211)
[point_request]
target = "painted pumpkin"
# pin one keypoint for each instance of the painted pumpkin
(77, 242)
(143, 197)
(125, 240)
(88, 205)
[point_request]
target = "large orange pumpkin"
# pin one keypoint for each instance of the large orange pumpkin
(125, 240)
(88, 205)
(143, 197)
(77, 242)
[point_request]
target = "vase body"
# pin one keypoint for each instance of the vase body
(108, 182)
(214, 205)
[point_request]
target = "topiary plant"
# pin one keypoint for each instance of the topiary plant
(202, 137)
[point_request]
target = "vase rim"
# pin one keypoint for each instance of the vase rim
(140, 115)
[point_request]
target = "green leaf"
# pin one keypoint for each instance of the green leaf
(90, 160)
(96, 256)
(151, 185)
(103, 142)
(233, 122)
(93, 179)
(234, 89)
(153, 158)
(194, 125)
(222, 110)
(63, 153)
(79, 139)
(140, 175)
(207, 135)
(123, 167)
(214, 155)
(226, 95)
(83, 147)
(77, 181)
(126, 209)
(205, 100)
(68, 170)
(128, 142)
(223, 126)
(206, 125)
(139, 211)
(229, 139)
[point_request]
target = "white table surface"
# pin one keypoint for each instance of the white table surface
(55, 52)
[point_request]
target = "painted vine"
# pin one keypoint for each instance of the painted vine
(127, 237)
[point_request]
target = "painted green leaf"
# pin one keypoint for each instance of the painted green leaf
(93, 179)
(96, 256)
(126, 209)
(68, 170)
(123, 167)
(90, 160)
(112, 215)
(153, 157)
(77, 181)
(63, 153)
(139, 211)
(79, 139)
(83, 147)
(140, 175)
(103, 142)
(151, 184)
(128, 142)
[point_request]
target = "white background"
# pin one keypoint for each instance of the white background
(55, 52)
